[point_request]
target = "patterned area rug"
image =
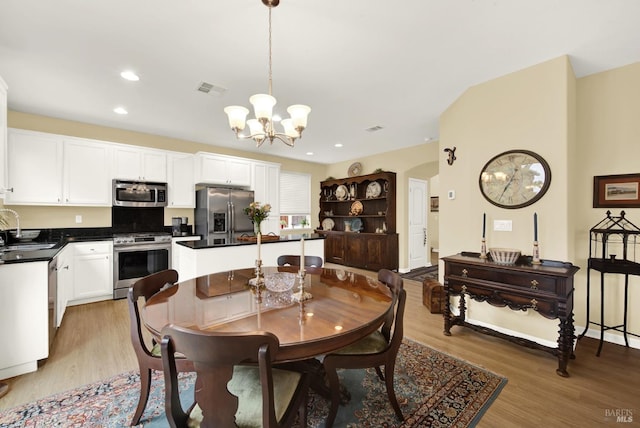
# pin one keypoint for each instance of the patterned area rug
(421, 273)
(433, 388)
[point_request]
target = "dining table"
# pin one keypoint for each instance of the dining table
(341, 307)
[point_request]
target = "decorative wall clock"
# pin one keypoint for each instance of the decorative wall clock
(515, 179)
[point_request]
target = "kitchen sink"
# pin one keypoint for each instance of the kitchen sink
(28, 247)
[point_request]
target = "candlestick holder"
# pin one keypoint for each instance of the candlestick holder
(258, 281)
(301, 295)
(535, 260)
(483, 249)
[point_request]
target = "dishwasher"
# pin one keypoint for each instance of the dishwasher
(52, 283)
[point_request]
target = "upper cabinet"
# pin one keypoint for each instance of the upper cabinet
(86, 173)
(3, 136)
(223, 170)
(181, 184)
(266, 188)
(49, 169)
(34, 168)
(133, 163)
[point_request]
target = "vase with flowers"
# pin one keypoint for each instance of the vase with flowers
(257, 213)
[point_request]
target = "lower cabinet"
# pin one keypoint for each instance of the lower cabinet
(92, 272)
(24, 332)
(214, 310)
(371, 251)
(65, 280)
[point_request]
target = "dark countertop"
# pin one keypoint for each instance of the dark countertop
(58, 237)
(203, 243)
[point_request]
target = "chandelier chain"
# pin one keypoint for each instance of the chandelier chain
(270, 56)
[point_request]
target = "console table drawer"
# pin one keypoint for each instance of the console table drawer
(501, 296)
(526, 280)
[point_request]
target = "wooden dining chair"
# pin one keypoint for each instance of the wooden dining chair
(291, 260)
(378, 349)
(148, 354)
(231, 389)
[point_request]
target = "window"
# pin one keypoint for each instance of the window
(295, 200)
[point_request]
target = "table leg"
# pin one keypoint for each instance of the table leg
(565, 344)
(318, 378)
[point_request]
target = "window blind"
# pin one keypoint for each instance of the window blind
(295, 193)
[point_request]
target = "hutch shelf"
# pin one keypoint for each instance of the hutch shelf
(358, 218)
(614, 248)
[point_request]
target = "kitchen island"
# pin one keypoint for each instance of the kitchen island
(197, 258)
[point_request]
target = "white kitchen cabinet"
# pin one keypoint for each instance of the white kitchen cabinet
(50, 169)
(64, 279)
(133, 163)
(92, 272)
(24, 331)
(175, 250)
(3, 137)
(35, 168)
(266, 188)
(86, 173)
(224, 308)
(224, 170)
(180, 180)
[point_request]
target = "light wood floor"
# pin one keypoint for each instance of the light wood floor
(93, 343)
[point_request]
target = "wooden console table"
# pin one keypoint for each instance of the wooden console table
(546, 288)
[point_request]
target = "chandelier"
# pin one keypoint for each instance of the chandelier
(262, 127)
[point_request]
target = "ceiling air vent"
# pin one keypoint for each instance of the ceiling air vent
(374, 128)
(208, 88)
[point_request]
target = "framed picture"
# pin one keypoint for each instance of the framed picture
(616, 191)
(435, 204)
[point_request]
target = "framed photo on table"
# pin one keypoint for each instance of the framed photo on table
(616, 191)
(435, 204)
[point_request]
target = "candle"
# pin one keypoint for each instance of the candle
(259, 240)
(302, 254)
(535, 227)
(484, 223)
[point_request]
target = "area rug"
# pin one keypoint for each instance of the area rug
(434, 390)
(421, 273)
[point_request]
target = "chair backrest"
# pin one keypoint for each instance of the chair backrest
(214, 356)
(145, 287)
(396, 284)
(292, 260)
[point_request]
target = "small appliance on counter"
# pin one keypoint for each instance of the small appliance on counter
(180, 226)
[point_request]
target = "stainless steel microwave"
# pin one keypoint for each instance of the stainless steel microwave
(139, 194)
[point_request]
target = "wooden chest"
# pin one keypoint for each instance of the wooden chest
(433, 295)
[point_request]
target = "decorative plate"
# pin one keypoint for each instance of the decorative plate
(373, 190)
(356, 208)
(354, 169)
(356, 224)
(327, 224)
(342, 193)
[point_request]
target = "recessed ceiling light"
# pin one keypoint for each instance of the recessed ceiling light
(337, 145)
(309, 153)
(130, 75)
(120, 110)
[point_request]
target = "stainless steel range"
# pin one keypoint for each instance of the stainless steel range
(137, 255)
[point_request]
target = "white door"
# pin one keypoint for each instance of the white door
(417, 223)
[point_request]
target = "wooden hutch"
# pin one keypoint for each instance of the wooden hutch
(358, 218)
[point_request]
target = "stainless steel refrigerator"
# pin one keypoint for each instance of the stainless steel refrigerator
(219, 215)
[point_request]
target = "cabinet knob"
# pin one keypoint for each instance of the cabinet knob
(534, 304)
(464, 272)
(534, 284)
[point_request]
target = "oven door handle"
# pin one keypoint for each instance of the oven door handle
(144, 247)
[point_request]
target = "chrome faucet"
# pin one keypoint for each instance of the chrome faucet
(8, 210)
